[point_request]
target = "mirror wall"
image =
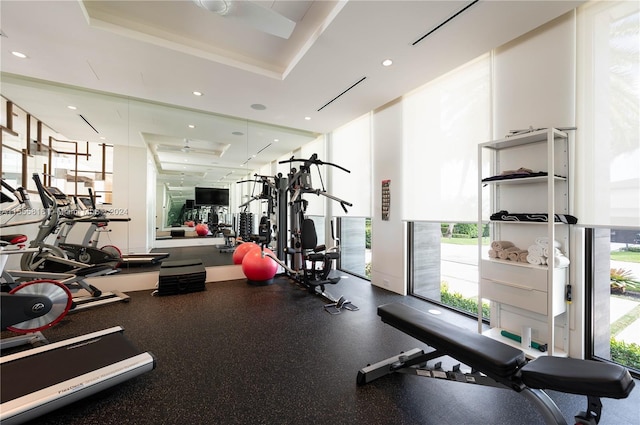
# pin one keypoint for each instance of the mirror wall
(142, 160)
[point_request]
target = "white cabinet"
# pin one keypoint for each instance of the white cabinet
(524, 182)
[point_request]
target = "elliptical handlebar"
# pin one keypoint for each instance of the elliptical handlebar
(47, 200)
(20, 193)
(92, 199)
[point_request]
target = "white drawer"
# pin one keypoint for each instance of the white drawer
(521, 297)
(519, 275)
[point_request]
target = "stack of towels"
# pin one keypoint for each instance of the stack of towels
(538, 254)
(505, 250)
(542, 251)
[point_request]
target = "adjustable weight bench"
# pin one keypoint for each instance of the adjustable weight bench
(499, 365)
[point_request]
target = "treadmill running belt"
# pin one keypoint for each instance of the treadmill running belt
(29, 374)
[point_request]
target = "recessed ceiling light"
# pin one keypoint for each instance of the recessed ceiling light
(307, 118)
(191, 126)
(19, 55)
(73, 108)
(197, 93)
(258, 107)
(276, 140)
(387, 62)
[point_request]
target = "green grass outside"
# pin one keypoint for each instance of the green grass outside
(628, 256)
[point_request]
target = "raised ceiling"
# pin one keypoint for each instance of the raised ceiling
(131, 68)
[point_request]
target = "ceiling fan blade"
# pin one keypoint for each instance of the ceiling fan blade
(252, 14)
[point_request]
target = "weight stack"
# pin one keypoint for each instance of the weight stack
(181, 277)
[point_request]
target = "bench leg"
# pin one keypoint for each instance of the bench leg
(549, 410)
(385, 367)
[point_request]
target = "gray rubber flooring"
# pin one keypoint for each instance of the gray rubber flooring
(242, 354)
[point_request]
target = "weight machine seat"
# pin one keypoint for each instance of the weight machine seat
(576, 376)
(322, 256)
(308, 235)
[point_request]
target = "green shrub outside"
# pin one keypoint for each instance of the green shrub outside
(464, 230)
(626, 354)
(458, 301)
(367, 233)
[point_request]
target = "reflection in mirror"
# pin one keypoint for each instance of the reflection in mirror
(144, 159)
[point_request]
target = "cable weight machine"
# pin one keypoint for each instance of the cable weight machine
(306, 262)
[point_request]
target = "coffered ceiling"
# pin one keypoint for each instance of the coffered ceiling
(131, 68)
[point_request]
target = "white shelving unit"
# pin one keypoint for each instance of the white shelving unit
(523, 294)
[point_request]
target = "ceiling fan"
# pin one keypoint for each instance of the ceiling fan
(252, 14)
(186, 148)
(215, 151)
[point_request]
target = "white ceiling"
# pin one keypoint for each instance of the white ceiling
(131, 67)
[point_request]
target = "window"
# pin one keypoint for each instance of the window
(444, 264)
(355, 246)
(615, 303)
(608, 193)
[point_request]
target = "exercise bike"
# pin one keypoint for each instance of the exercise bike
(32, 306)
(70, 273)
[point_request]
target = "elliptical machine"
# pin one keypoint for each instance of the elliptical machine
(61, 218)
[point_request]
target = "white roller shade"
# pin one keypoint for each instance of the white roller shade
(608, 112)
(443, 122)
(351, 149)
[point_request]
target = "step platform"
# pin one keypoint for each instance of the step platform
(181, 277)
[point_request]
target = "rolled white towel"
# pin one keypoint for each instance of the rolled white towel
(500, 245)
(544, 241)
(560, 261)
(538, 260)
(548, 253)
(536, 250)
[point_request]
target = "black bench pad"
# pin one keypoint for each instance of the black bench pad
(576, 376)
(491, 357)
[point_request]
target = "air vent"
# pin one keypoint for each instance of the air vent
(332, 100)
(88, 123)
(444, 22)
(263, 148)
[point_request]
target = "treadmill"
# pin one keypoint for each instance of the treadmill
(42, 379)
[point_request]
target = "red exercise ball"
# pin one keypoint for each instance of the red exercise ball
(241, 251)
(202, 229)
(258, 268)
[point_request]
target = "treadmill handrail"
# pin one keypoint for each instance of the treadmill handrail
(55, 345)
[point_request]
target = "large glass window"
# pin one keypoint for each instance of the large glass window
(608, 189)
(615, 305)
(444, 264)
(355, 246)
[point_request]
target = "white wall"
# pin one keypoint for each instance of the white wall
(130, 199)
(388, 237)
